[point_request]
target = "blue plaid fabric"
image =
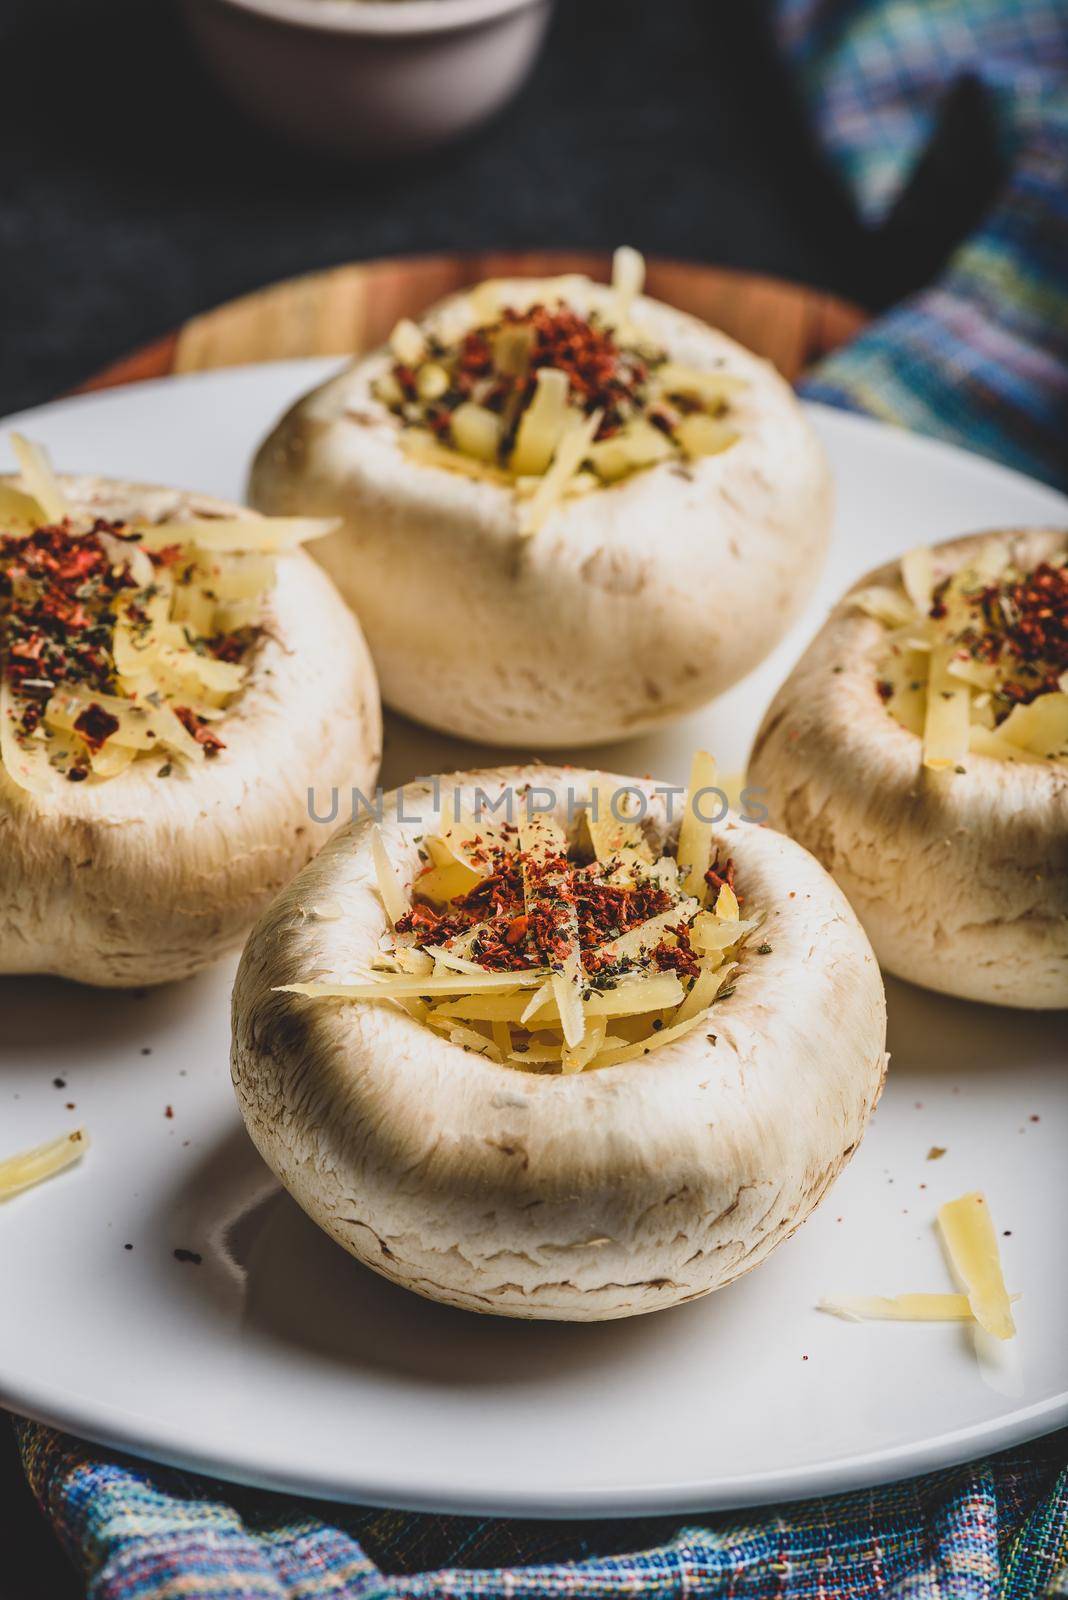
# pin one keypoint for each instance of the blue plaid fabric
(995, 1530)
(981, 358)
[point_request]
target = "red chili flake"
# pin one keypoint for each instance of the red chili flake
(96, 726)
(938, 600)
(200, 729)
(475, 355)
(1021, 627)
(422, 918)
(497, 901)
(492, 951)
(718, 878)
(510, 937)
(605, 911)
(230, 647)
(680, 957)
(665, 419)
(603, 376)
(59, 592)
(439, 420)
(552, 894)
(169, 556)
(57, 597)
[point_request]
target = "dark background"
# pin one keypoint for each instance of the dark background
(131, 197)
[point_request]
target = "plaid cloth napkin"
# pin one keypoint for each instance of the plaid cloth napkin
(998, 1528)
(980, 358)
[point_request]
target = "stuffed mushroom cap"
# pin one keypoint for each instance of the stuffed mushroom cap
(603, 1194)
(152, 874)
(960, 877)
(632, 604)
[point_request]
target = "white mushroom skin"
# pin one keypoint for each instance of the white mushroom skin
(605, 1194)
(632, 605)
(960, 878)
(139, 879)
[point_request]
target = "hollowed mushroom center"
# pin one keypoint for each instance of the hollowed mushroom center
(553, 400)
(510, 391)
(121, 640)
(559, 946)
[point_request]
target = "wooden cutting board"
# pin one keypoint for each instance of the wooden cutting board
(349, 309)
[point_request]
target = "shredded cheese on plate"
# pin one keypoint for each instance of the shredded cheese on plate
(31, 1167)
(972, 1247)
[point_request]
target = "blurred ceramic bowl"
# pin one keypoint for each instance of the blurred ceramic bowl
(369, 78)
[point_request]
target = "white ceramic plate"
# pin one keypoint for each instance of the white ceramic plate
(279, 1361)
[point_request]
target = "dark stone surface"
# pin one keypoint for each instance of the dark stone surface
(131, 196)
(32, 1565)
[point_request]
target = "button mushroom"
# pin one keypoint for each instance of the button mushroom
(920, 751)
(173, 679)
(480, 1105)
(618, 506)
